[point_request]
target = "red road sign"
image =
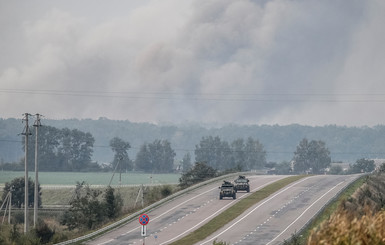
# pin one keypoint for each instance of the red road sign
(144, 219)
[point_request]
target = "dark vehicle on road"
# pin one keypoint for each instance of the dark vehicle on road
(227, 190)
(242, 184)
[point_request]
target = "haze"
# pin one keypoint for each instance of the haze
(229, 61)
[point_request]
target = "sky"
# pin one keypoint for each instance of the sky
(307, 62)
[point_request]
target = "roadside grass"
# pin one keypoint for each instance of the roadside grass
(234, 211)
(62, 196)
(93, 178)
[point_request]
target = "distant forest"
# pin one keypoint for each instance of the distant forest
(346, 144)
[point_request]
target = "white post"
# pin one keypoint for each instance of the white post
(10, 206)
(26, 133)
(36, 194)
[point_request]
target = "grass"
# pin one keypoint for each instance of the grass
(234, 211)
(94, 178)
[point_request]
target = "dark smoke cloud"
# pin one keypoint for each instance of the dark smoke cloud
(274, 62)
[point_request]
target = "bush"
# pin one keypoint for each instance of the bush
(336, 170)
(166, 191)
(86, 211)
(340, 229)
(359, 219)
(44, 232)
(113, 203)
(11, 235)
(200, 172)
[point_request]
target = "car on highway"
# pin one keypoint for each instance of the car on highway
(227, 189)
(242, 184)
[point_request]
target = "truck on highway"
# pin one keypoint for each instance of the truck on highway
(242, 184)
(227, 189)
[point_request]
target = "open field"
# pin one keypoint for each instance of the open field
(101, 178)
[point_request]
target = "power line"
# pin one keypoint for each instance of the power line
(241, 97)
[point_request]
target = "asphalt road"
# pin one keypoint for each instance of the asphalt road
(270, 221)
(276, 218)
(180, 216)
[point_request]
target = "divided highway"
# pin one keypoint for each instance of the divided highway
(269, 222)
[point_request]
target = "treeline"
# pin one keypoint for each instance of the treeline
(346, 144)
(58, 150)
(240, 154)
(71, 150)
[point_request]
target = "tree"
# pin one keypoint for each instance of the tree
(239, 154)
(17, 185)
(61, 149)
(311, 155)
(76, 149)
(255, 154)
(363, 166)
(186, 162)
(214, 152)
(120, 148)
(113, 203)
(156, 157)
(86, 211)
(143, 159)
(200, 172)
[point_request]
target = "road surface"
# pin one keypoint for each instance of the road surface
(270, 221)
(277, 217)
(180, 216)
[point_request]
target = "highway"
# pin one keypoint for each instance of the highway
(276, 218)
(268, 222)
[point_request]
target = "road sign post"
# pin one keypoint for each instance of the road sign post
(143, 220)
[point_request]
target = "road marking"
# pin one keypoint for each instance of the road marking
(169, 211)
(231, 226)
(304, 212)
(106, 241)
(132, 230)
(216, 213)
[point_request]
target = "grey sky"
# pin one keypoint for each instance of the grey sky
(229, 61)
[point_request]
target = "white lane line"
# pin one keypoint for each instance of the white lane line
(106, 241)
(278, 193)
(174, 208)
(304, 213)
(137, 228)
(215, 213)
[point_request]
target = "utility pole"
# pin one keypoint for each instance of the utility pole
(37, 124)
(10, 204)
(26, 133)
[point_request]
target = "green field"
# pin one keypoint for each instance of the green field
(71, 178)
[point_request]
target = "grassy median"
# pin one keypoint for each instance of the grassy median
(234, 211)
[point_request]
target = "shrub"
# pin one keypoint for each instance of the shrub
(339, 229)
(44, 232)
(359, 219)
(166, 191)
